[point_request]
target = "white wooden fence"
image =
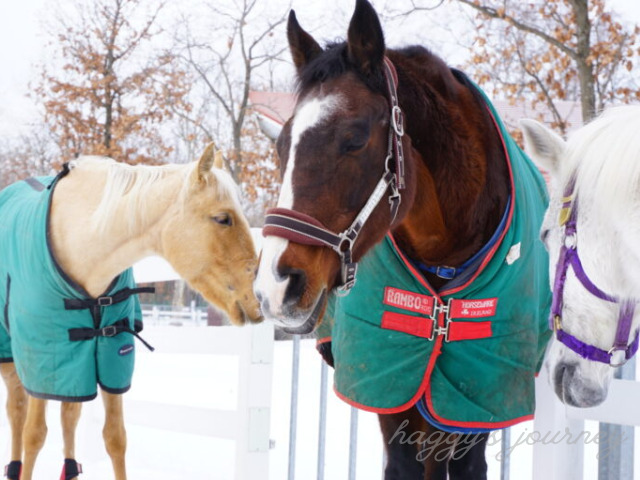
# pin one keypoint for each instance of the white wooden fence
(249, 424)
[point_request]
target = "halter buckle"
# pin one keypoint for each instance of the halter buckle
(557, 322)
(397, 120)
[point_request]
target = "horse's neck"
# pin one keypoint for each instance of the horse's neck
(93, 257)
(463, 182)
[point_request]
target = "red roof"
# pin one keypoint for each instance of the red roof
(276, 106)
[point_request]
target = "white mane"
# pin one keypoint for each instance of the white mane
(607, 151)
(607, 155)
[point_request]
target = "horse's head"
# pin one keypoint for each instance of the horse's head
(333, 152)
(593, 307)
(208, 241)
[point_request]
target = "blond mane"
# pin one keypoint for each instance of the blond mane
(128, 187)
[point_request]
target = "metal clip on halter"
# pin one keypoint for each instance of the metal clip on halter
(348, 268)
(618, 356)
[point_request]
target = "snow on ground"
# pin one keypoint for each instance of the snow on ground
(211, 381)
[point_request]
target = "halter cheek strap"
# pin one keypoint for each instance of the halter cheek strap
(620, 352)
(306, 230)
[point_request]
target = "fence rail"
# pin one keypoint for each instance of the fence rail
(157, 315)
(249, 424)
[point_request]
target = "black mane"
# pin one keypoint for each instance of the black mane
(332, 63)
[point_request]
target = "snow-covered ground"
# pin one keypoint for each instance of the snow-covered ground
(211, 381)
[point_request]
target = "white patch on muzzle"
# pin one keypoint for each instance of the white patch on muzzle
(269, 287)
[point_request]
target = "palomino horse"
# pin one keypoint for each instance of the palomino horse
(441, 326)
(97, 219)
(593, 241)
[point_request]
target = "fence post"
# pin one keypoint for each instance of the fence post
(254, 402)
(353, 443)
(615, 449)
(322, 423)
(563, 459)
(293, 418)
(505, 460)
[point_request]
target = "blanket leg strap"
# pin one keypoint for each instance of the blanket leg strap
(13, 470)
(71, 469)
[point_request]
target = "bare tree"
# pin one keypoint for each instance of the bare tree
(229, 63)
(30, 154)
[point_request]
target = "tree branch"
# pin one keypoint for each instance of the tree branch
(494, 13)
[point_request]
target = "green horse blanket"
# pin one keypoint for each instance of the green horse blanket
(63, 341)
(467, 354)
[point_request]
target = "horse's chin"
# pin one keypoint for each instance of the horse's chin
(312, 320)
(575, 390)
(250, 314)
(242, 314)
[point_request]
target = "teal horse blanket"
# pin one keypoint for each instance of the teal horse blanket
(467, 354)
(63, 342)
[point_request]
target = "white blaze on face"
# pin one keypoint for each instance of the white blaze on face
(268, 285)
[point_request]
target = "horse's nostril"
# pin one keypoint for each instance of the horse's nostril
(564, 374)
(297, 284)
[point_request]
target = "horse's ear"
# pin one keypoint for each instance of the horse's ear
(302, 45)
(207, 161)
(218, 160)
(365, 40)
(545, 147)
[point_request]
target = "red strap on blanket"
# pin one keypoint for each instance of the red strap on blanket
(418, 326)
(468, 330)
(424, 327)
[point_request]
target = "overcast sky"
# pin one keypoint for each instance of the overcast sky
(22, 44)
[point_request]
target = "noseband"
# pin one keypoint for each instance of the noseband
(620, 352)
(304, 229)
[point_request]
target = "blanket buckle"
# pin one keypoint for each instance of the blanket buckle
(438, 330)
(105, 301)
(109, 331)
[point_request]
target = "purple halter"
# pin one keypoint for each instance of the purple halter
(569, 257)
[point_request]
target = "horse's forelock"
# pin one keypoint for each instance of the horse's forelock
(333, 63)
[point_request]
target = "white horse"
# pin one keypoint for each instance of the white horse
(592, 232)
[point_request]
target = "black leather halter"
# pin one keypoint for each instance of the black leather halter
(304, 229)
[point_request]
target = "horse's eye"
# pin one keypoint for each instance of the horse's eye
(356, 136)
(223, 219)
(353, 145)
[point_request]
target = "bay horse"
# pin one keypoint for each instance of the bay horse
(405, 213)
(592, 233)
(77, 234)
